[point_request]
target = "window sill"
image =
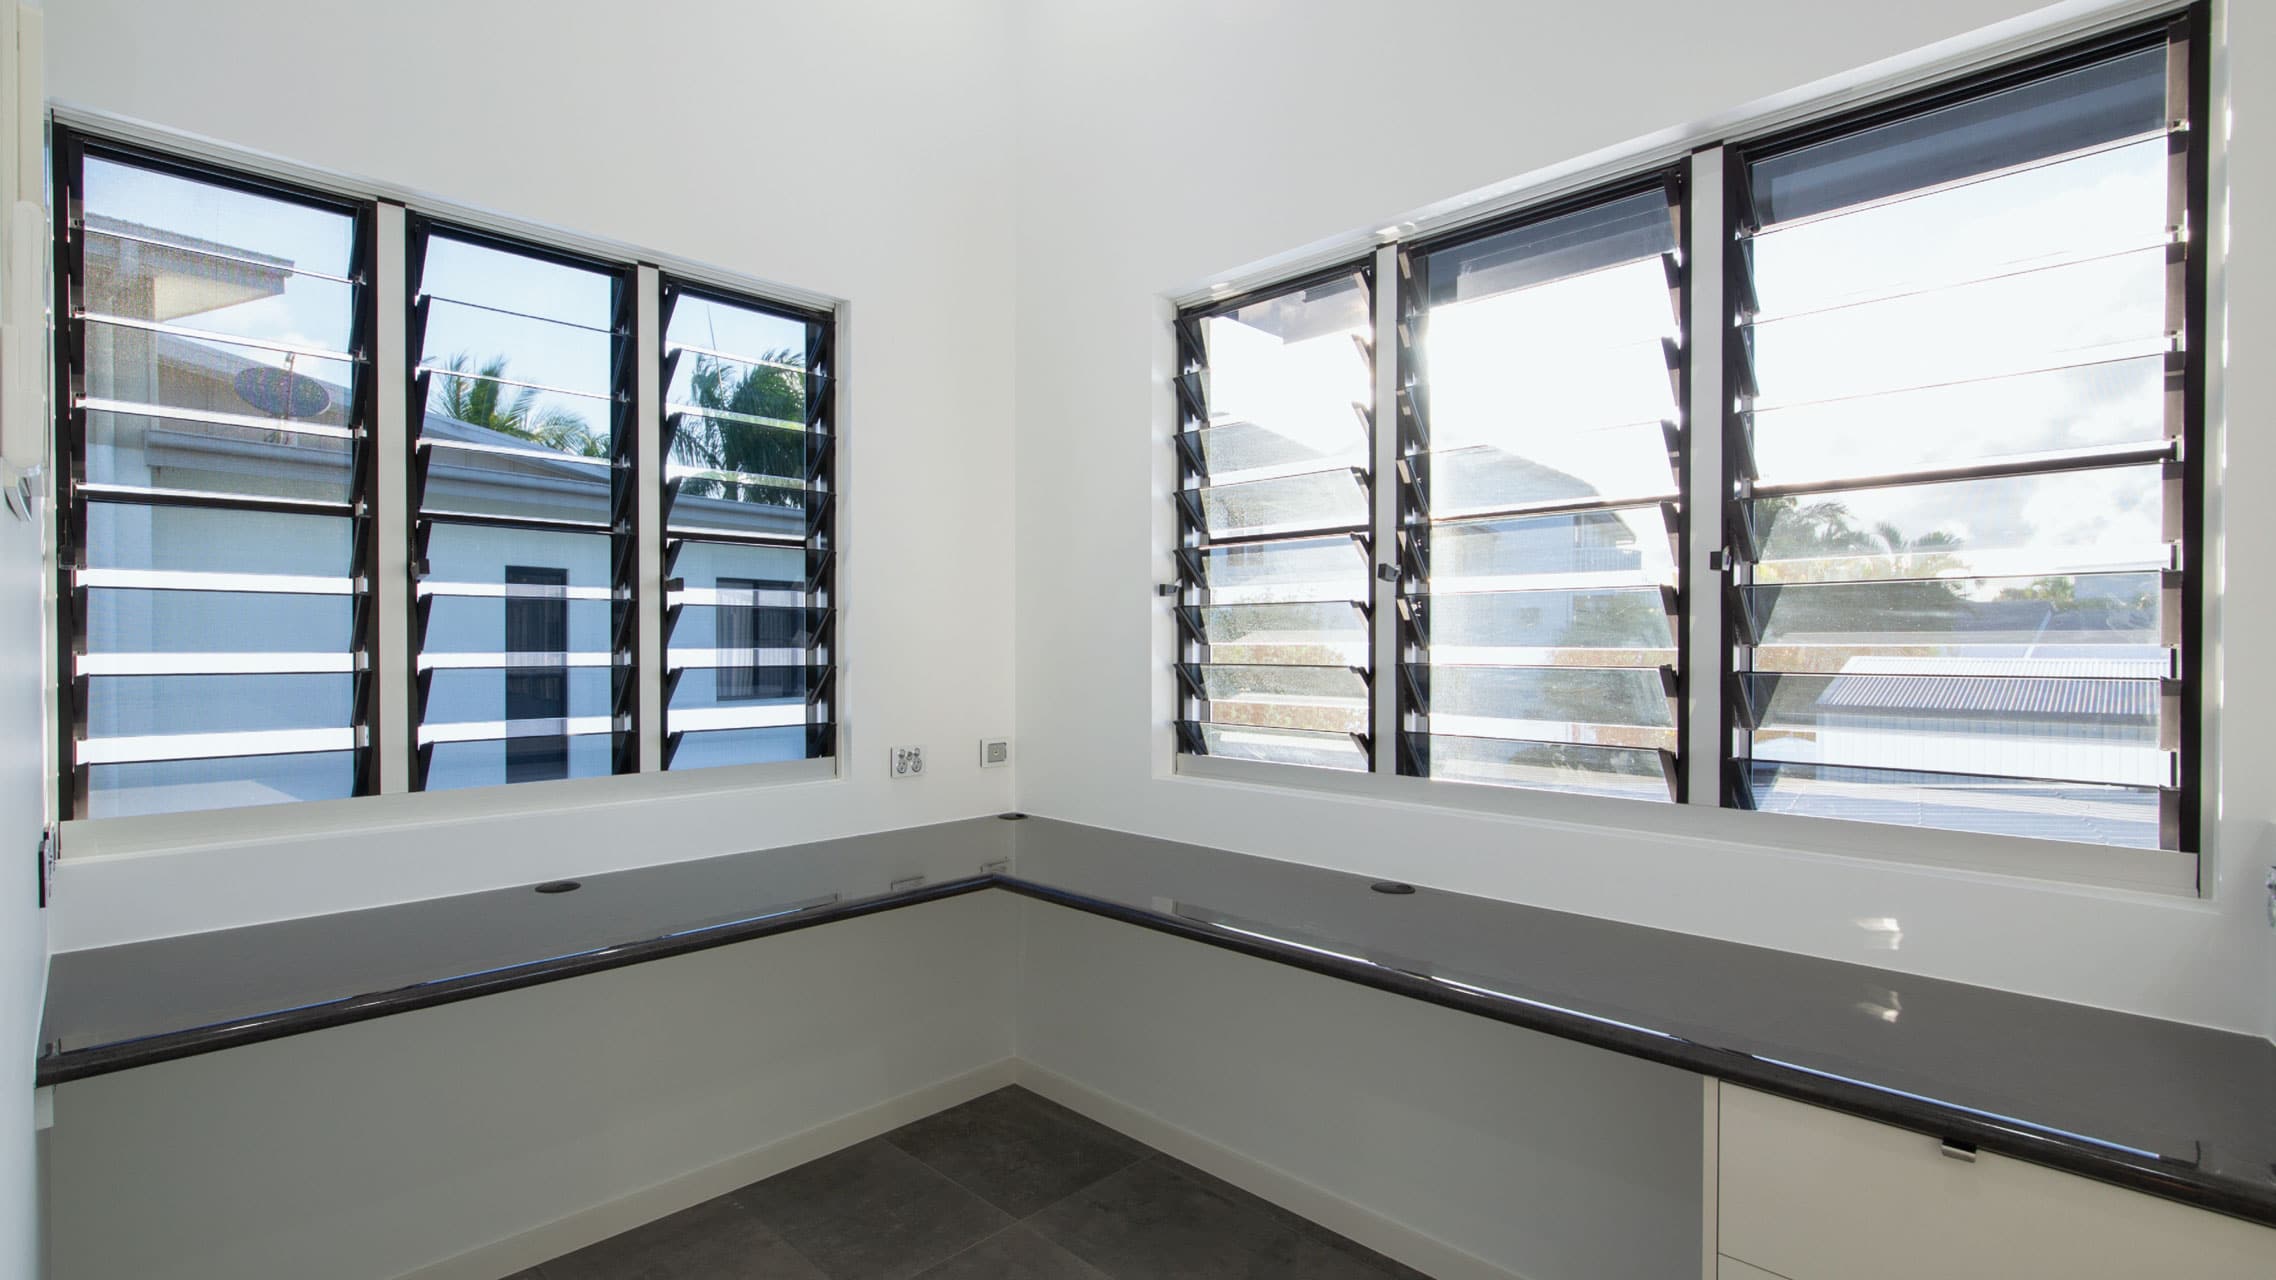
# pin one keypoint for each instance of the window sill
(2052, 862)
(172, 832)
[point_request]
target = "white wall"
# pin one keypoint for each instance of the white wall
(1534, 1156)
(1171, 144)
(478, 1128)
(860, 150)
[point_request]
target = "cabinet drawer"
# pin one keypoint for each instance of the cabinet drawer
(1811, 1194)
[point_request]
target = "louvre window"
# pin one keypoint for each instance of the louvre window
(216, 541)
(1276, 405)
(522, 486)
(1966, 370)
(1541, 474)
(749, 519)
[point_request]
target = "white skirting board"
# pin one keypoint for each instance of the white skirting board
(568, 1234)
(1426, 1254)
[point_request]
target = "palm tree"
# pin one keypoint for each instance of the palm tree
(773, 390)
(477, 399)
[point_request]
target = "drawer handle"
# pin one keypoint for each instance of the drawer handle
(1958, 1150)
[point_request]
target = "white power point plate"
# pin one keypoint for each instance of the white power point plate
(995, 753)
(908, 762)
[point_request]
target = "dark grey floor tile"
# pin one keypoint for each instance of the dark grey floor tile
(1015, 1253)
(715, 1240)
(871, 1212)
(1156, 1220)
(1017, 1151)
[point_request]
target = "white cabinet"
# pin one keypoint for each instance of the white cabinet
(1804, 1193)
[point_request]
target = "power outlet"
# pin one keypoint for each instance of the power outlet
(908, 762)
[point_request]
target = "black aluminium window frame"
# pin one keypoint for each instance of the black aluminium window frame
(1190, 399)
(2188, 31)
(821, 535)
(1413, 445)
(70, 148)
(625, 477)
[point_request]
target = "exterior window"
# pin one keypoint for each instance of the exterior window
(1276, 405)
(215, 532)
(1968, 374)
(523, 456)
(1541, 461)
(749, 521)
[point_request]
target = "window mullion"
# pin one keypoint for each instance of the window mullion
(391, 454)
(648, 398)
(1707, 231)
(1383, 632)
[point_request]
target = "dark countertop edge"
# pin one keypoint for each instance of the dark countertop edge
(122, 1055)
(2165, 1179)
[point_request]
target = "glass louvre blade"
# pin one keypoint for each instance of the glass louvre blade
(161, 453)
(765, 387)
(479, 695)
(474, 553)
(569, 356)
(1625, 773)
(743, 636)
(1328, 699)
(1293, 364)
(711, 749)
(147, 706)
(1617, 628)
(1485, 393)
(2074, 811)
(181, 786)
(453, 765)
(1629, 546)
(2118, 98)
(480, 482)
(2052, 524)
(1551, 704)
(1576, 244)
(773, 686)
(2102, 202)
(2103, 731)
(1312, 633)
(1243, 451)
(1617, 463)
(1292, 504)
(214, 376)
(2089, 625)
(145, 621)
(2059, 316)
(462, 630)
(466, 272)
(1279, 746)
(1309, 569)
(2055, 411)
(739, 332)
(127, 535)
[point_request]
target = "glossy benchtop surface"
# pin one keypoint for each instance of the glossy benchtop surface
(2177, 1110)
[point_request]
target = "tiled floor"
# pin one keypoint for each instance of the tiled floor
(1006, 1187)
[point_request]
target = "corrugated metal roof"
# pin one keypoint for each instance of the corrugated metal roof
(1990, 695)
(2031, 663)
